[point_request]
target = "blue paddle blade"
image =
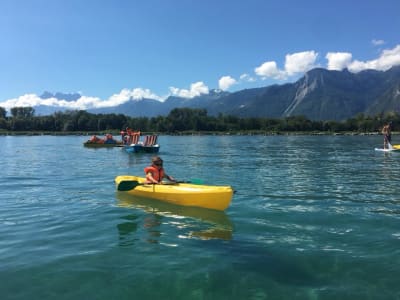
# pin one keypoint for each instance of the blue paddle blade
(192, 181)
(196, 181)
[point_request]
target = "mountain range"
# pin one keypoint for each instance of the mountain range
(319, 95)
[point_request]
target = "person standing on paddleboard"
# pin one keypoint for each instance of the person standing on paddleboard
(387, 135)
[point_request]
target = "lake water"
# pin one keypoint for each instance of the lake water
(313, 217)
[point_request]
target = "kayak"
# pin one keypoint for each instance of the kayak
(186, 194)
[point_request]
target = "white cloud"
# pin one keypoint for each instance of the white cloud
(23, 101)
(385, 61)
(338, 60)
(294, 63)
(226, 82)
(300, 62)
(196, 89)
(269, 69)
(247, 78)
(84, 102)
(126, 94)
(34, 100)
(377, 42)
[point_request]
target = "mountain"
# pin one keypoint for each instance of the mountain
(324, 95)
(61, 96)
(134, 108)
(389, 98)
(153, 108)
(43, 110)
(319, 95)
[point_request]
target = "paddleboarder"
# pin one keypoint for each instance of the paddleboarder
(387, 135)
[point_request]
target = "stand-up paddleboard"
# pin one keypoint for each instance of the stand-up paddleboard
(392, 148)
(387, 150)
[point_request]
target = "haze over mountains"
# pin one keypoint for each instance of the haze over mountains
(319, 95)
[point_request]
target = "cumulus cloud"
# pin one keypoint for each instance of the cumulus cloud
(34, 100)
(23, 101)
(385, 61)
(294, 64)
(300, 62)
(127, 94)
(196, 89)
(338, 60)
(269, 69)
(84, 102)
(226, 82)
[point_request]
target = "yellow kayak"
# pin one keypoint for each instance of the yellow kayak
(186, 194)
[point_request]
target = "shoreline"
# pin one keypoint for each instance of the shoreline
(192, 133)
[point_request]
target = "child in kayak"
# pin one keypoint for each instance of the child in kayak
(155, 173)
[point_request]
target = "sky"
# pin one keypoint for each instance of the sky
(110, 51)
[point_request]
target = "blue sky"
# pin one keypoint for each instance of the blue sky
(112, 50)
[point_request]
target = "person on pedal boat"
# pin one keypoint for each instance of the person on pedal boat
(156, 173)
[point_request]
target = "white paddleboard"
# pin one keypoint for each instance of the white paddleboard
(387, 150)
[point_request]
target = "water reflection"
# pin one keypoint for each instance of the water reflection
(209, 224)
(126, 228)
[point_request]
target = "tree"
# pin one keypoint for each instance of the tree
(3, 113)
(183, 119)
(22, 112)
(3, 123)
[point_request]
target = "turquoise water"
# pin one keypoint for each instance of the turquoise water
(314, 217)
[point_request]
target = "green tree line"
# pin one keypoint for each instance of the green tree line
(182, 120)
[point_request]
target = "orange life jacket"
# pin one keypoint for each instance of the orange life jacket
(158, 174)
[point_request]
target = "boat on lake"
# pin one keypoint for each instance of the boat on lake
(185, 194)
(149, 145)
(107, 141)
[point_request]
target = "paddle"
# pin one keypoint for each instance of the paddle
(192, 181)
(127, 185)
(390, 146)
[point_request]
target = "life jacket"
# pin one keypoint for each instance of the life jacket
(156, 173)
